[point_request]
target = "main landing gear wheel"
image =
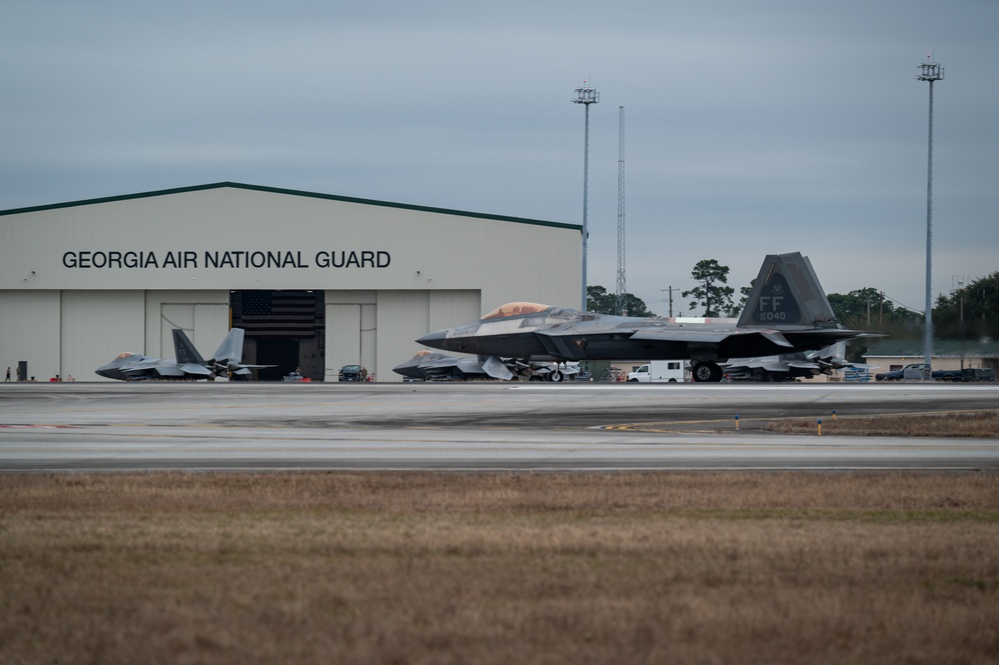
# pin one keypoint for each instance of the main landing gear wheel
(706, 372)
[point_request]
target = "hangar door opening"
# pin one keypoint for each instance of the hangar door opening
(283, 328)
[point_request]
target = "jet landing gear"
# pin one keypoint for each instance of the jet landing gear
(554, 376)
(545, 371)
(705, 371)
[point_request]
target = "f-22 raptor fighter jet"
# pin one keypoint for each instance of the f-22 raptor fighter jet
(188, 365)
(429, 366)
(790, 366)
(787, 311)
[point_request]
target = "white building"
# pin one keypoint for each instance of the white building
(318, 281)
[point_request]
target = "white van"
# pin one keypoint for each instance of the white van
(659, 371)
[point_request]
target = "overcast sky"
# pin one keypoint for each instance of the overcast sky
(751, 128)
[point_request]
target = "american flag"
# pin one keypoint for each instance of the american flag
(279, 313)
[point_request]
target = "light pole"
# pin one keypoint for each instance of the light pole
(931, 72)
(586, 96)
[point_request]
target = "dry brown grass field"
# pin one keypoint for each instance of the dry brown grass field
(972, 424)
(499, 568)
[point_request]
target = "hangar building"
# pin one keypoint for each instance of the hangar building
(318, 281)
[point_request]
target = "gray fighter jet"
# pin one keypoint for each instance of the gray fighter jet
(787, 311)
(789, 366)
(188, 365)
(431, 366)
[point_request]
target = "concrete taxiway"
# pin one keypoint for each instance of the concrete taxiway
(481, 426)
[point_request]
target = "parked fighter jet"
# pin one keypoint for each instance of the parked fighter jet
(430, 366)
(789, 366)
(786, 311)
(188, 365)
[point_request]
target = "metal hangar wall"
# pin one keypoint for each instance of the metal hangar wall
(318, 281)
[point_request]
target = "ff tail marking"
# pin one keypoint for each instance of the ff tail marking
(787, 294)
(184, 350)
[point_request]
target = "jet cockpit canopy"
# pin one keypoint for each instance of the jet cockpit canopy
(515, 309)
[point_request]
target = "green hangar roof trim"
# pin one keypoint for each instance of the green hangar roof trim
(292, 192)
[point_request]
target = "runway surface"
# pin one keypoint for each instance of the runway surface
(477, 427)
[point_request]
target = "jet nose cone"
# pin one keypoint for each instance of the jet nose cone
(108, 372)
(434, 339)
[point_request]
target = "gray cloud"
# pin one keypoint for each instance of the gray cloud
(751, 129)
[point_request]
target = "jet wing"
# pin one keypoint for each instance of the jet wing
(707, 336)
(466, 366)
(431, 366)
(193, 369)
(770, 364)
(444, 362)
(165, 370)
(169, 371)
(156, 368)
(833, 362)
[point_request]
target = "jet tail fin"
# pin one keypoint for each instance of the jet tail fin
(230, 351)
(184, 349)
(787, 294)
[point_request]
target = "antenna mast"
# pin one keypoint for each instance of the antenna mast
(622, 287)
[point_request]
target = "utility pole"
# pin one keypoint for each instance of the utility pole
(669, 290)
(586, 96)
(959, 288)
(931, 72)
(622, 287)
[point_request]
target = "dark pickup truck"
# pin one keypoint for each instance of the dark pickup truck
(918, 370)
(353, 373)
